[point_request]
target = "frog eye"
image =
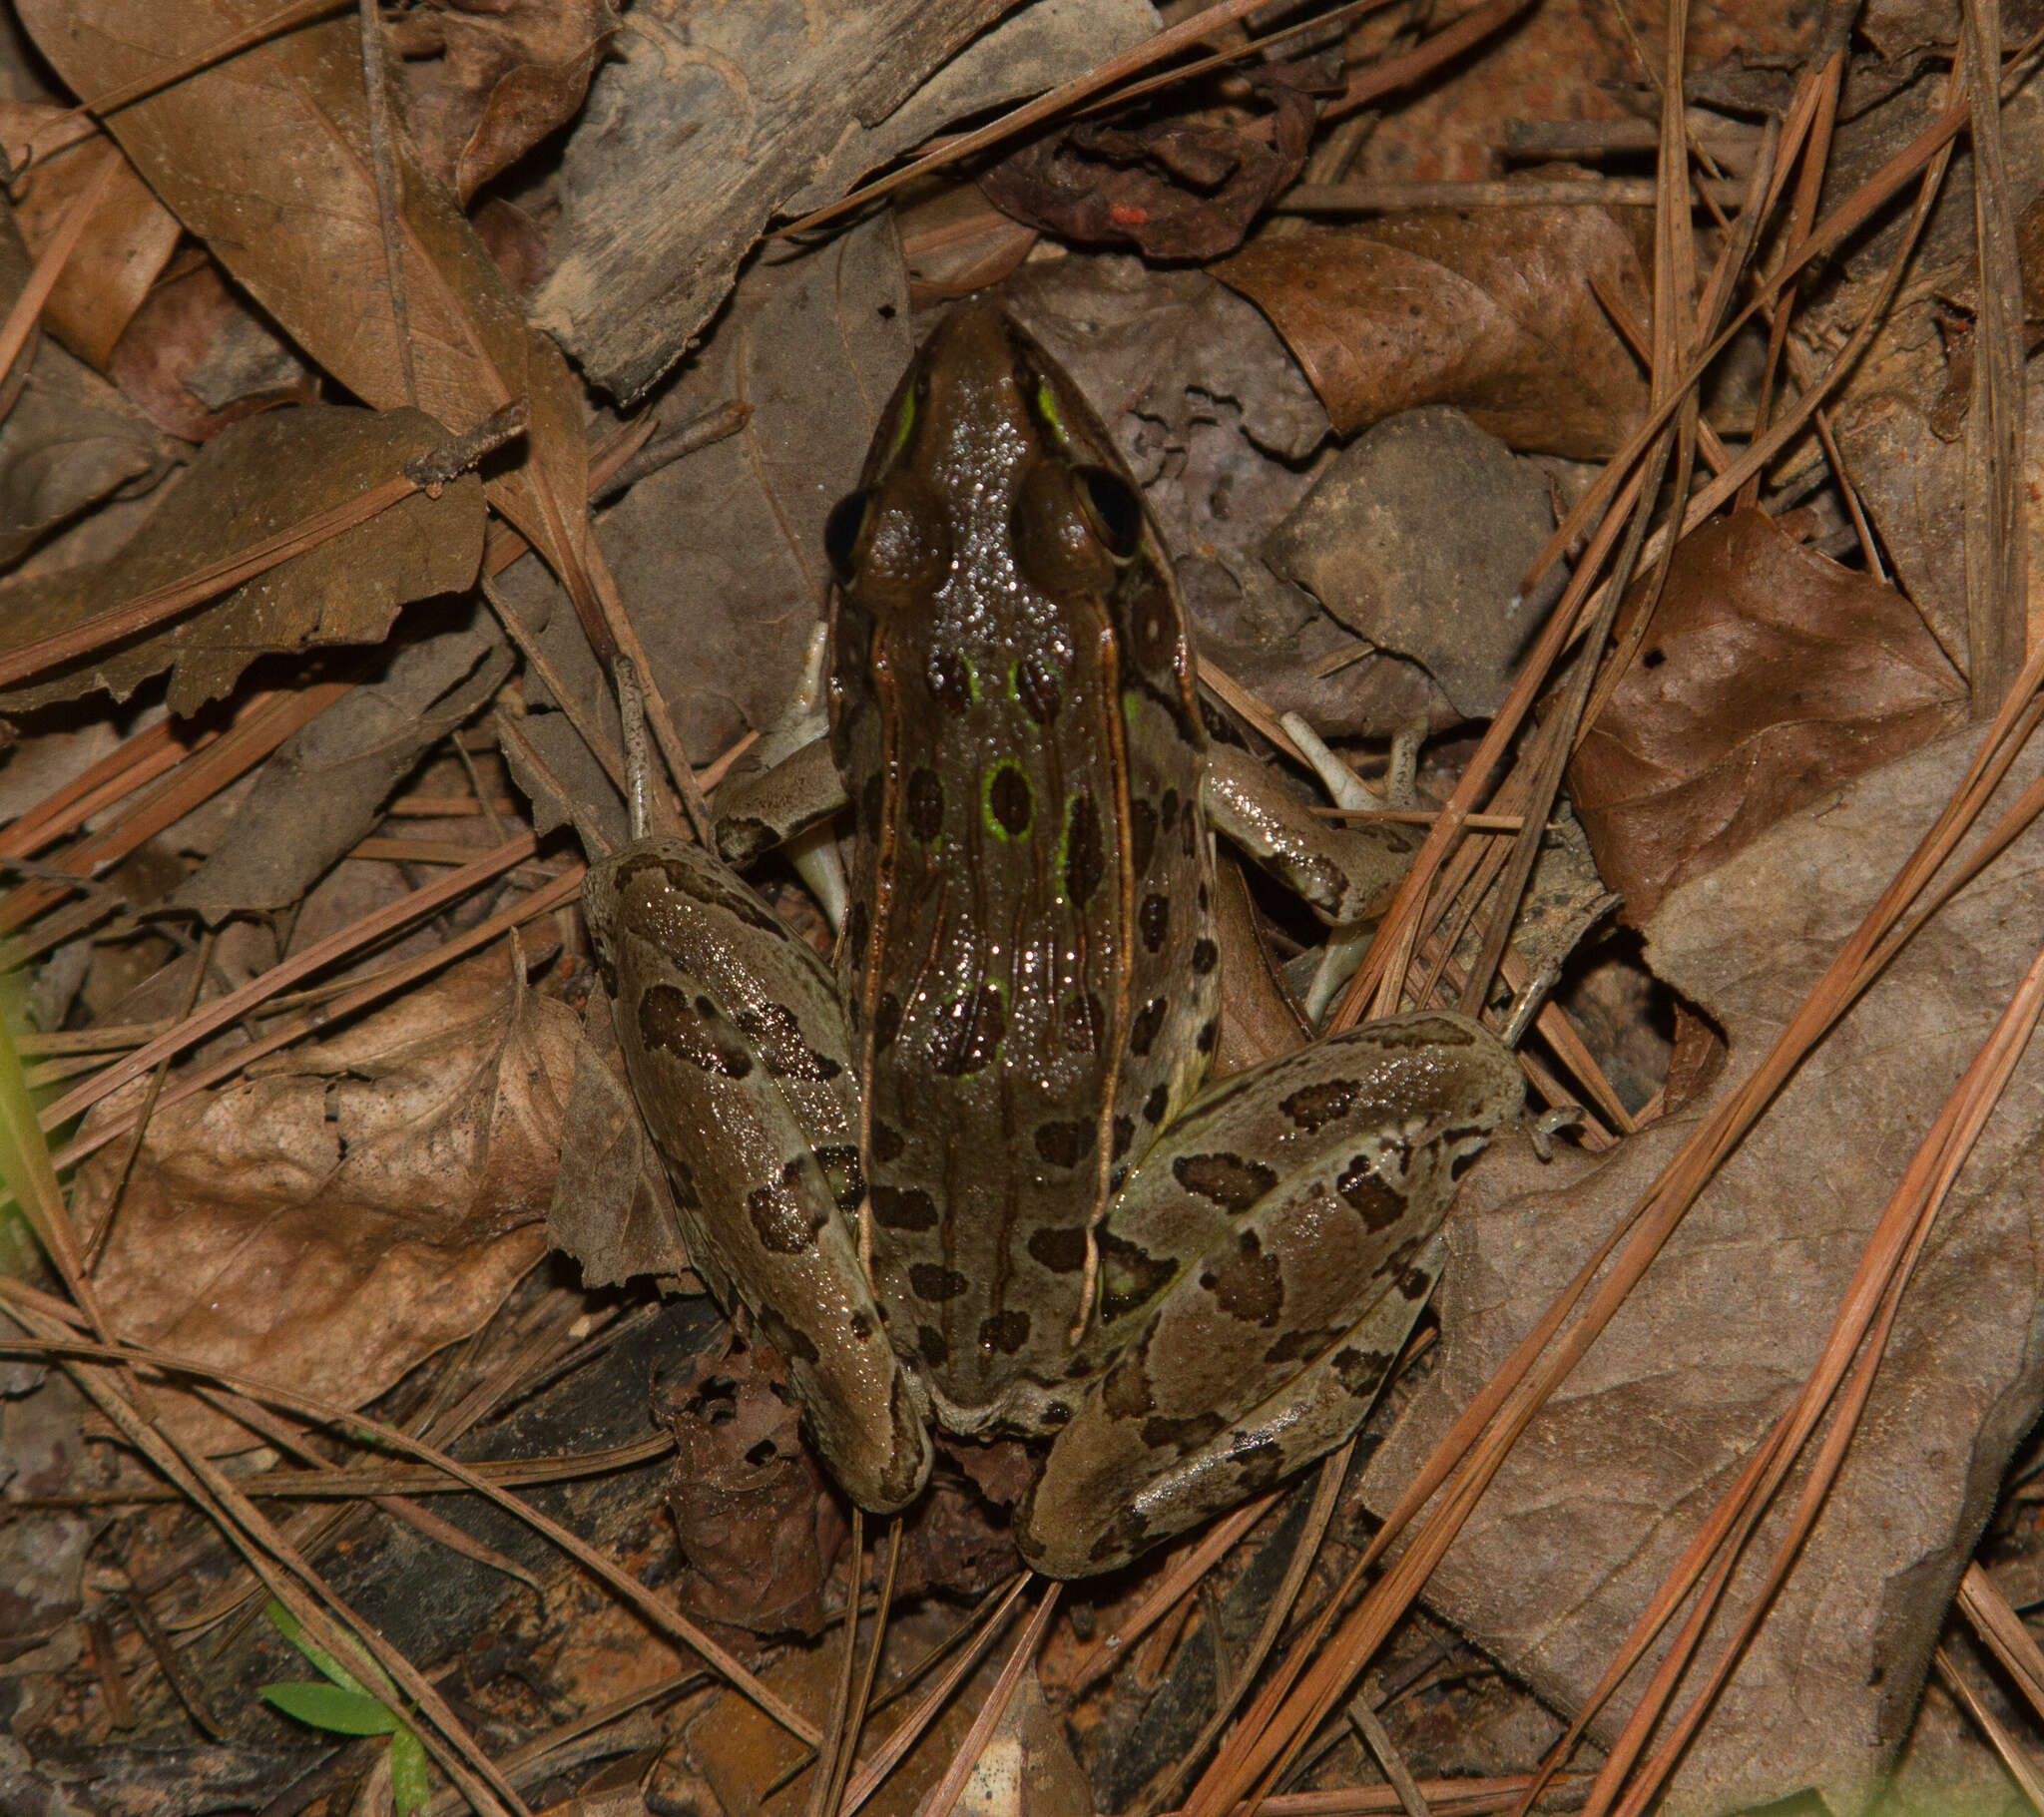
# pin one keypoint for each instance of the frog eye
(1112, 509)
(840, 532)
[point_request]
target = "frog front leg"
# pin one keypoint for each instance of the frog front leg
(1344, 874)
(1259, 1274)
(735, 1045)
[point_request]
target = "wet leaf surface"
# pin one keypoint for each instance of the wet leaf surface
(1488, 310)
(1769, 675)
(361, 1202)
(248, 484)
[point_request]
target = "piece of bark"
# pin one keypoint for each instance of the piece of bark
(693, 138)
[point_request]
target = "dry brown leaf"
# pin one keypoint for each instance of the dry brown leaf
(70, 440)
(324, 790)
(719, 557)
(128, 239)
(362, 1203)
(1489, 310)
(613, 1209)
(485, 84)
(1596, 1502)
(248, 484)
(266, 155)
(704, 126)
(197, 358)
(1769, 675)
(1171, 186)
(759, 1530)
(1415, 537)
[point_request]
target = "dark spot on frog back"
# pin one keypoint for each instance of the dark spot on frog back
(1230, 1181)
(1060, 1249)
(1037, 689)
(781, 1221)
(966, 1033)
(1248, 1284)
(925, 803)
(1363, 1187)
(1065, 1143)
(1005, 1332)
(903, 1207)
(670, 1022)
(950, 680)
(1009, 801)
(934, 1282)
(1084, 861)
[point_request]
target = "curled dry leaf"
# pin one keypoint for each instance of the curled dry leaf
(1489, 310)
(1608, 1483)
(613, 1209)
(485, 84)
(70, 440)
(704, 126)
(126, 242)
(1171, 186)
(247, 485)
(197, 358)
(757, 1529)
(1769, 675)
(362, 1203)
(266, 155)
(322, 792)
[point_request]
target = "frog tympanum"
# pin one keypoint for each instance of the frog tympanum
(975, 1177)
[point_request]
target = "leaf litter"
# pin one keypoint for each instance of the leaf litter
(330, 1029)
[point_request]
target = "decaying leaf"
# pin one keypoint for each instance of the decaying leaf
(128, 239)
(70, 440)
(719, 557)
(1415, 535)
(485, 84)
(758, 1530)
(357, 1205)
(248, 484)
(1172, 187)
(1488, 310)
(700, 128)
(197, 358)
(266, 155)
(322, 792)
(1608, 1485)
(613, 1209)
(1769, 675)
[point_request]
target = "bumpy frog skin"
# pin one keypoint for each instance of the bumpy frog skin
(1005, 1078)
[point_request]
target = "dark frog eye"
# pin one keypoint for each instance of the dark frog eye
(1112, 509)
(840, 532)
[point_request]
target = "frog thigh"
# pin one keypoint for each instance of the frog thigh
(738, 1055)
(1345, 874)
(1115, 1486)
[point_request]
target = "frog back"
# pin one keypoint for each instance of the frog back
(1029, 960)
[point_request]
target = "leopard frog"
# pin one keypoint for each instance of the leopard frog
(977, 1177)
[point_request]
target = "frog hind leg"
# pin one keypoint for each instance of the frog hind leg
(1260, 1274)
(1108, 1493)
(739, 1058)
